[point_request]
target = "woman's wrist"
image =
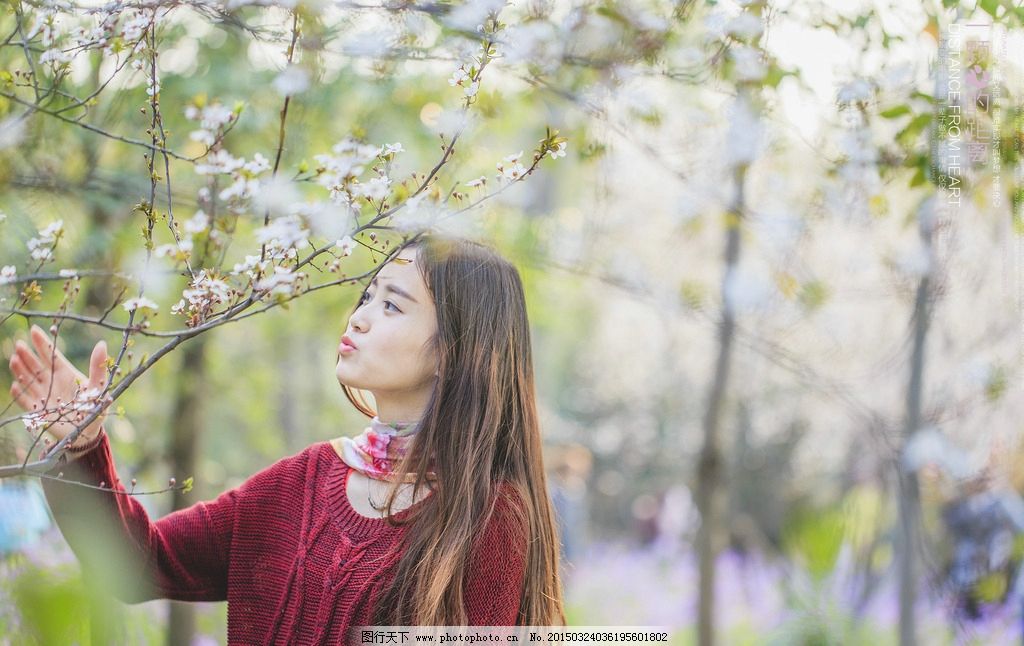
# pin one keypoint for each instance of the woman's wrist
(84, 445)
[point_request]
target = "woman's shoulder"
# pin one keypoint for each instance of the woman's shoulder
(508, 493)
(286, 474)
(509, 508)
(333, 445)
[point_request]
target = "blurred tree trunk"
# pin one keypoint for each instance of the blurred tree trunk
(186, 427)
(907, 478)
(710, 472)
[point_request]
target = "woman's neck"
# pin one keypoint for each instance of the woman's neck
(399, 411)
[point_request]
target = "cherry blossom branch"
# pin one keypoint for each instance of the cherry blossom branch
(281, 125)
(28, 54)
(64, 274)
(98, 130)
(172, 485)
(111, 392)
(158, 127)
(81, 318)
(117, 69)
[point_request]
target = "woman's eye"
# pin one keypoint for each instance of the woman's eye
(363, 299)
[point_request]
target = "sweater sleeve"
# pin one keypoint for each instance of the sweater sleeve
(498, 567)
(183, 556)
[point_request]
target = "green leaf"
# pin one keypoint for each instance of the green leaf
(914, 128)
(991, 587)
(989, 7)
(609, 12)
(1018, 224)
(36, 592)
(813, 294)
(896, 111)
(691, 293)
(920, 177)
(816, 537)
(997, 384)
(775, 75)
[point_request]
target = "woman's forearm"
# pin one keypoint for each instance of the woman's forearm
(181, 556)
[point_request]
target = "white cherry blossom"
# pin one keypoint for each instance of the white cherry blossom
(293, 80)
(197, 223)
(282, 281)
(139, 302)
(247, 267)
(745, 26)
(375, 189)
(219, 161)
(458, 76)
(346, 245)
(41, 246)
(283, 232)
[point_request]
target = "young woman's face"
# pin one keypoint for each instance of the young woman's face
(391, 330)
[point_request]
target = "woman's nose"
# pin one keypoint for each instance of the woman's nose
(357, 322)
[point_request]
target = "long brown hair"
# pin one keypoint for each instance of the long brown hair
(482, 429)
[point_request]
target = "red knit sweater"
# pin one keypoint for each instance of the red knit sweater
(295, 562)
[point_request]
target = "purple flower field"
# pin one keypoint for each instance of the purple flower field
(760, 601)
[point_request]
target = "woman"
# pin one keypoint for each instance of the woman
(437, 514)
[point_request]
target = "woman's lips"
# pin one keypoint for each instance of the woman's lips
(345, 348)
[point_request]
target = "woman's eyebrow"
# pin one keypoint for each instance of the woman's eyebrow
(397, 290)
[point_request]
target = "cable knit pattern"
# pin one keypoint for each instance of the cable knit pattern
(295, 562)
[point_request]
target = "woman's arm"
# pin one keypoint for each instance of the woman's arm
(182, 556)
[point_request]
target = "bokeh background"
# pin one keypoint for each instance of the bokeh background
(774, 281)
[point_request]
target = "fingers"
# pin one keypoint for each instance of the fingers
(34, 377)
(22, 396)
(47, 351)
(24, 379)
(28, 397)
(98, 365)
(29, 359)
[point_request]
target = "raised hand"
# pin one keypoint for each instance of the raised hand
(44, 379)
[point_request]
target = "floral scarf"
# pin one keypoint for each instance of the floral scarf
(377, 450)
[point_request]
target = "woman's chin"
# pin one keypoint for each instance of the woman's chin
(345, 378)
